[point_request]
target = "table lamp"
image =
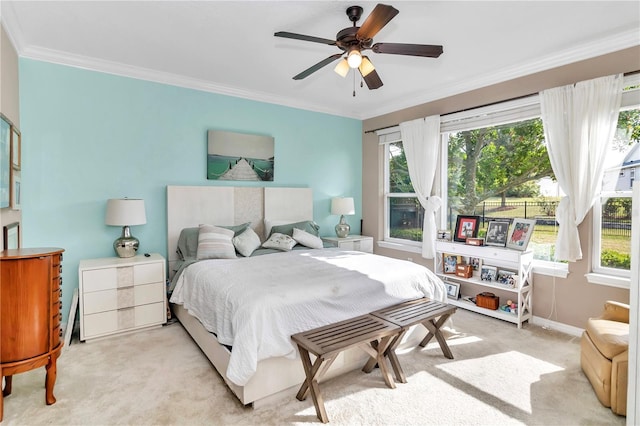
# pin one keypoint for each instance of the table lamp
(342, 206)
(125, 212)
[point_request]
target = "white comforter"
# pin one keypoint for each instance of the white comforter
(255, 304)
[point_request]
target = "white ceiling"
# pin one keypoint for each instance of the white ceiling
(228, 47)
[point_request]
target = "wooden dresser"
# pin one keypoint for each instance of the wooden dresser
(30, 314)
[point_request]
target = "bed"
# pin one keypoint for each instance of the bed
(242, 311)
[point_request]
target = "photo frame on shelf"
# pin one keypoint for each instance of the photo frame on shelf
(476, 263)
(444, 235)
(488, 273)
(11, 236)
(507, 278)
(520, 233)
(453, 290)
(15, 148)
(466, 227)
(449, 262)
(497, 232)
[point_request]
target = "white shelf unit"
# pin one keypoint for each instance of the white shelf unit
(502, 258)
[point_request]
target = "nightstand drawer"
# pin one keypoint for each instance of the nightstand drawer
(125, 276)
(105, 323)
(108, 300)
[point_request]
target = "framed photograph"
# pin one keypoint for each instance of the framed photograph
(453, 290)
(507, 278)
(5, 161)
(16, 191)
(11, 234)
(497, 233)
(15, 148)
(488, 273)
(443, 235)
(476, 263)
(449, 262)
(520, 233)
(466, 226)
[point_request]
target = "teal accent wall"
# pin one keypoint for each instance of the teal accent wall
(90, 136)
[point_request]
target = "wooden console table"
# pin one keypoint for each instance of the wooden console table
(30, 315)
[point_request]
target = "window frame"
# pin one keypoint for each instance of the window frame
(601, 274)
(388, 195)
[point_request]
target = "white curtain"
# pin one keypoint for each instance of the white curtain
(420, 139)
(579, 124)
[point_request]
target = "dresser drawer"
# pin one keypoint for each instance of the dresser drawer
(108, 300)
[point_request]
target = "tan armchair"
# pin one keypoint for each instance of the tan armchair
(604, 355)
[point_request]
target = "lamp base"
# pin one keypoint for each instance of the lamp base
(342, 228)
(127, 245)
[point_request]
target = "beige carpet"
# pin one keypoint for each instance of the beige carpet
(500, 376)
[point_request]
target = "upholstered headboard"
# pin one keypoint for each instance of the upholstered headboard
(190, 206)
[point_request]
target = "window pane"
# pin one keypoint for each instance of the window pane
(615, 213)
(399, 180)
(405, 218)
(615, 233)
(504, 172)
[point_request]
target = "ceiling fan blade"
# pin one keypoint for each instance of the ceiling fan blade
(379, 17)
(317, 66)
(428, 50)
(373, 80)
(286, 34)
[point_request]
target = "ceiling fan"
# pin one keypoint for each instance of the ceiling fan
(354, 40)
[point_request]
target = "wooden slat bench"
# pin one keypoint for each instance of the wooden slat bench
(368, 332)
(423, 311)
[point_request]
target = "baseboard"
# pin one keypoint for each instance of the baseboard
(557, 326)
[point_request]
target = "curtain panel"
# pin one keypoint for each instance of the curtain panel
(420, 139)
(579, 123)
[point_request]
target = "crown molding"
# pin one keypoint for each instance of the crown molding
(613, 43)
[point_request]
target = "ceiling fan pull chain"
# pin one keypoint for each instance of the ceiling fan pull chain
(354, 84)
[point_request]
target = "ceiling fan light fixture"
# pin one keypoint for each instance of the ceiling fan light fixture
(354, 58)
(342, 68)
(366, 67)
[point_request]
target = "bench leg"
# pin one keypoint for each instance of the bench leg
(393, 358)
(317, 370)
(312, 384)
(377, 349)
(434, 330)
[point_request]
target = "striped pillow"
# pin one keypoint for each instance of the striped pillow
(215, 243)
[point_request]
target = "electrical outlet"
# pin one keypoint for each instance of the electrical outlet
(410, 259)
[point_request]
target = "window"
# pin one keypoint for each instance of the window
(502, 172)
(403, 213)
(494, 164)
(612, 214)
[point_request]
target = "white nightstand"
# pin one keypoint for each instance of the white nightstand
(121, 294)
(352, 242)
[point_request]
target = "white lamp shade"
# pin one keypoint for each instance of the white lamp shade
(342, 69)
(125, 212)
(342, 205)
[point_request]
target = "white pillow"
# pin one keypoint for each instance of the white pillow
(307, 239)
(215, 243)
(247, 242)
(279, 241)
(268, 224)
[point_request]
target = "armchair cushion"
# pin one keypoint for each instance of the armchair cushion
(610, 337)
